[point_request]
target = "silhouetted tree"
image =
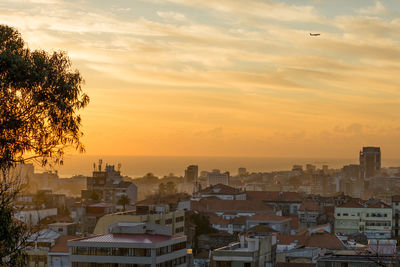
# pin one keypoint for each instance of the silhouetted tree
(170, 188)
(40, 96)
(124, 200)
(94, 196)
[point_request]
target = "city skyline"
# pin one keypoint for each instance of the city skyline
(206, 78)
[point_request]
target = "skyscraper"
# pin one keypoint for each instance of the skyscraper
(370, 161)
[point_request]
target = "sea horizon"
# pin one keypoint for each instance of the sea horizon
(138, 166)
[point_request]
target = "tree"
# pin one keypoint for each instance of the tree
(162, 190)
(95, 196)
(124, 200)
(40, 96)
(170, 188)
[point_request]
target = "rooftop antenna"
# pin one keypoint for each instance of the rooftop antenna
(100, 162)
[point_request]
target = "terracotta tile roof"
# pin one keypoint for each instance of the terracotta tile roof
(379, 204)
(294, 223)
(259, 229)
(272, 196)
(309, 206)
(351, 204)
(220, 189)
(215, 219)
(230, 205)
(61, 244)
(320, 240)
(268, 217)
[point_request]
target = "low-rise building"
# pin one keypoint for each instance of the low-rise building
(157, 214)
(255, 250)
(278, 223)
(130, 244)
(222, 191)
(374, 219)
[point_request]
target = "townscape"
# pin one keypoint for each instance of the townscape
(199, 133)
(306, 216)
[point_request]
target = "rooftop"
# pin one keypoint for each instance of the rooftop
(61, 244)
(128, 238)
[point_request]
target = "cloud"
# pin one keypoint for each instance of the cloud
(377, 9)
(171, 15)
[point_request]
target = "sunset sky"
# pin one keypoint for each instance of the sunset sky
(227, 78)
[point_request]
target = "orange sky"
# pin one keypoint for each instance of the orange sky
(227, 78)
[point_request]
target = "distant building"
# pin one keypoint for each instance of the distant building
(297, 168)
(191, 174)
(63, 228)
(130, 244)
(255, 250)
(216, 177)
(242, 172)
(396, 216)
(310, 168)
(110, 185)
(222, 191)
(157, 214)
(370, 161)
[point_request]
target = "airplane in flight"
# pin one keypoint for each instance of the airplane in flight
(315, 34)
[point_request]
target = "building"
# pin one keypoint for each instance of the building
(216, 177)
(64, 228)
(157, 214)
(191, 174)
(370, 162)
(130, 244)
(242, 172)
(252, 250)
(374, 219)
(38, 246)
(222, 191)
(109, 184)
(288, 202)
(309, 213)
(396, 217)
(277, 223)
(58, 255)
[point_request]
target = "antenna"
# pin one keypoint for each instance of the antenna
(100, 162)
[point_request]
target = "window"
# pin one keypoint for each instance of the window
(345, 214)
(168, 221)
(179, 219)
(338, 214)
(223, 264)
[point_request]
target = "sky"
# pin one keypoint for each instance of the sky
(227, 78)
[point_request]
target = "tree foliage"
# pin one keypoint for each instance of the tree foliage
(40, 96)
(123, 201)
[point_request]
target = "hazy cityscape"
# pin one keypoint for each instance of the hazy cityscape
(147, 133)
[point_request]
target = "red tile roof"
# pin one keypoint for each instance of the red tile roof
(351, 204)
(309, 206)
(320, 240)
(221, 205)
(61, 244)
(268, 217)
(272, 196)
(379, 204)
(220, 189)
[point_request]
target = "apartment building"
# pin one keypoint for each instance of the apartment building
(130, 244)
(374, 220)
(157, 214)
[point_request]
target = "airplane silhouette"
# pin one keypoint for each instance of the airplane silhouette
(315, 34)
